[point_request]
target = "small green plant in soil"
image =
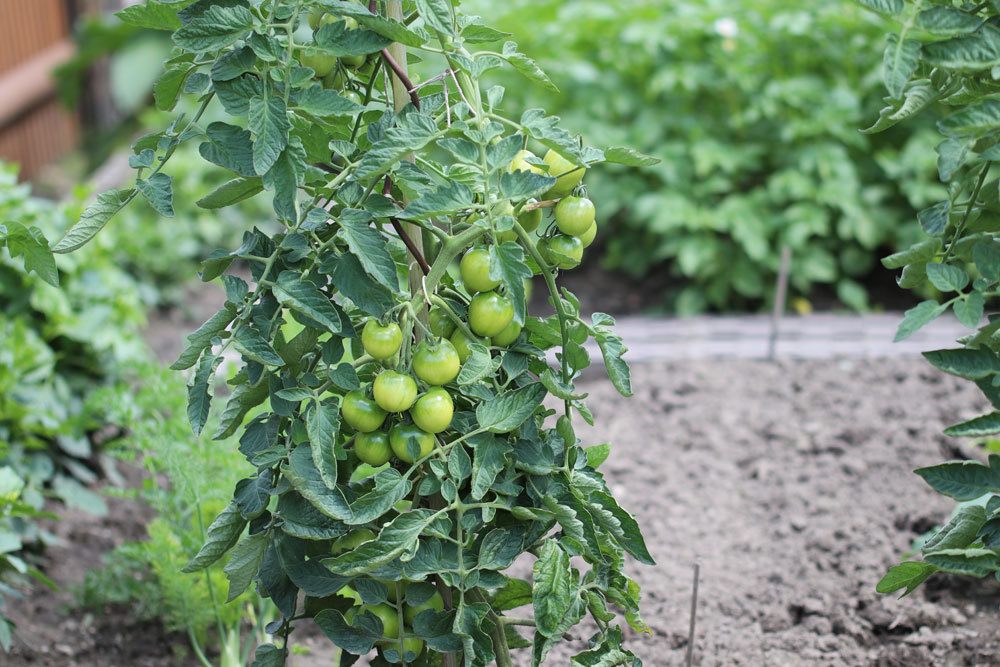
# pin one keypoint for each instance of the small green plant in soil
(403, 462)
(188, 482)
(949, 54)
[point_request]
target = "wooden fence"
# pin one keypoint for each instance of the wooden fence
(34, 38)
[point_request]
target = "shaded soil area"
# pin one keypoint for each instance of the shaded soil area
(788, 482)
(51, 632)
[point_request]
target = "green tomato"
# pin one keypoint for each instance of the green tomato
(389, 617)
(402, 434)
(490, 313)
(575, 215)
(461, 344)
(434, 602)
(508, 335)
(440, 323)
(361, 412)
(373, 448)
(412, 647)
(381, 342)
(564, 252)
(588, 236)
(530, 220)
(354, 96)
(321, 63)
(436, 363)
(394, 392)
(352, 540)
(475, 269)
(433, 411)
(567, 175)
(317, 19)
(520, 163)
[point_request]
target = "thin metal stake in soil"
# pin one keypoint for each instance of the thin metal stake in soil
(694, 611)
(780, 295)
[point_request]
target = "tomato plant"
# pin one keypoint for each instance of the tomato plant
(380, 186)
(948, 54)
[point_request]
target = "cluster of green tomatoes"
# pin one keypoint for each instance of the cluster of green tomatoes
(336, 73)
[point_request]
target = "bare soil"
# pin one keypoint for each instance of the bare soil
(789, 482)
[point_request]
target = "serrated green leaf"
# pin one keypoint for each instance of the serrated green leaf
(268, 120)
(917, 317)
(369, 247)
(555, 588)
(437, 14)
(968, 363)
(907, 575)
(158, 191)
(94, 218)
(323, 425)
(963, 480)
(395, 540)
(232, 192)
(977, 427)
(215, 27)
(31, 244)
(507, 262)
(947, 277)
(510, 409)
(302, 296)
(899, 62)
(222, 534)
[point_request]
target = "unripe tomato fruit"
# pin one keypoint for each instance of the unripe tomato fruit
(388, 615)
(436, 363)
(439, 323)
(567, 175)
(412, 647)
(588, 236)
(434, 602)
(316, 19)
(520, 163)
(433, 411)
(394, 392)
(381, 342)
(508, 335)
(321, 63)
(400, 436)
(352, 540)
(475, 269)
(373, 448)
(575, 215)
(354, 97)
(490, 313)
(530, 220)
(562, 251)
(361, 412)
(461, 344)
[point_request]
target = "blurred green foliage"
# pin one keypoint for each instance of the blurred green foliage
(754, 107)
(56, 345)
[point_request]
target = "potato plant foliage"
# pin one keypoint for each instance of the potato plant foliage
(948, 53)
(392, 538)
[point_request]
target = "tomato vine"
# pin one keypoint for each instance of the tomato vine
(392, 403)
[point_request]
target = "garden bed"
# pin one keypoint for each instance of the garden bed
(789, 482)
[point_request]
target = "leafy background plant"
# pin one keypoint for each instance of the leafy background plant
(187, 483)
(754, 107)
(941, 52)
